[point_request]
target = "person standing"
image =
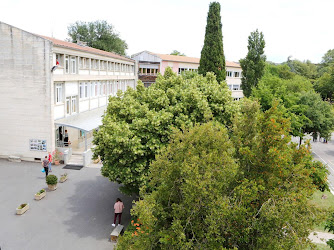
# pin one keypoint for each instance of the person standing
(118, 211)
(45, 164)
(50, 161)
(66, 139)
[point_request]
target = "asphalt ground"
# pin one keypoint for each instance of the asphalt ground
(78, 215)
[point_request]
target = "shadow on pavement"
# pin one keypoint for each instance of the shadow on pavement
(92, 208)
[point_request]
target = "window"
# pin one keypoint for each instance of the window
(67, 64)
(68, 105)
(83, 63)
(71, 105)
(103, 65)
(229, 86)
(112, 66)
(60, 60)
(236, 87)
(181, 70)
(59, 93)
(92, 92)
(82, 90)
(236, 74)
(86, 89)
(113, 87)
(73, 65)
(94, 64)
(97, 89)
(229, 73)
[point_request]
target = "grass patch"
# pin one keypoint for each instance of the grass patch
(322, 204)
(322, 246)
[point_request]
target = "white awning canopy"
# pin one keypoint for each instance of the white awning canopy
(86, 121)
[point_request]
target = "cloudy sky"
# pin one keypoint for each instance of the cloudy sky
(298, 28)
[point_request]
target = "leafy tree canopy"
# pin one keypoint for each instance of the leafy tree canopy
(254, 63)
(328, 58)
(99, 34)
(138, 123)
(177, 53)
(306, 68)
(325, 84)
(212, 54)
(308, 113)
(212, 191)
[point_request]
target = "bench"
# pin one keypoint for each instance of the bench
(116, 232)
(13, 158)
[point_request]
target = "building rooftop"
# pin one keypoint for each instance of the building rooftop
(187, 59)
(88, 49)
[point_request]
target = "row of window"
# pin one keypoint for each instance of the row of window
(186, 69)
(94, 89)
(148, 71)
(234, 86)
(233, 74)
(102, 88)
(69, 63)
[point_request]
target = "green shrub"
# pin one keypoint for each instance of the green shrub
(51, 179)
(22, 205)
(41, 191)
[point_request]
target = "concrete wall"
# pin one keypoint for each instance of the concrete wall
(26, 92)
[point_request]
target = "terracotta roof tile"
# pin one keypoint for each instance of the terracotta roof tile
(187, 59)
(88, 49)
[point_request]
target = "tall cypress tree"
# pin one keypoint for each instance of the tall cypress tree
(212, 55)
(254, 63)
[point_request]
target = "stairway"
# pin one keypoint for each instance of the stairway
(76, 159)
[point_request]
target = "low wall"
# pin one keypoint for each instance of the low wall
(66, 153)
(87, 157)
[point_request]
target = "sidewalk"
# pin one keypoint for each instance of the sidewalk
(320, 237)
(78, 215)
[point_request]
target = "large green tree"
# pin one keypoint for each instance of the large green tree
(97, 34)
(254, 63)
(212, 55)
(307, 112)
(138, 123)
(213, 192)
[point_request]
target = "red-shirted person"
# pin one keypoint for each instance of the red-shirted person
(50, 161)
(118, 211)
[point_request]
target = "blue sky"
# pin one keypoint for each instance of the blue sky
(298, 28)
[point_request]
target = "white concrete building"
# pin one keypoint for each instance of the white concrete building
(49, 86)
(151, 63)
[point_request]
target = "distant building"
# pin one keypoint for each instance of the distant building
(150, 64)
(51, 86)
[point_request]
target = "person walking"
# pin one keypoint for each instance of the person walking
(50, 161)
(45, 164)
(118, 211)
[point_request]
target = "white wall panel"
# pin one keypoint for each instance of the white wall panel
(71, 88)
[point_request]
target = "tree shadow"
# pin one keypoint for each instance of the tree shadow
(92, 208)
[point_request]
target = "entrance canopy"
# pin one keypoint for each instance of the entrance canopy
(86, 121)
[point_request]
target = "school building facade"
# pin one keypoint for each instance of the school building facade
(54, 93)
(150, 64)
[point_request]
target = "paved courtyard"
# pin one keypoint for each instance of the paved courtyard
(78, 215)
